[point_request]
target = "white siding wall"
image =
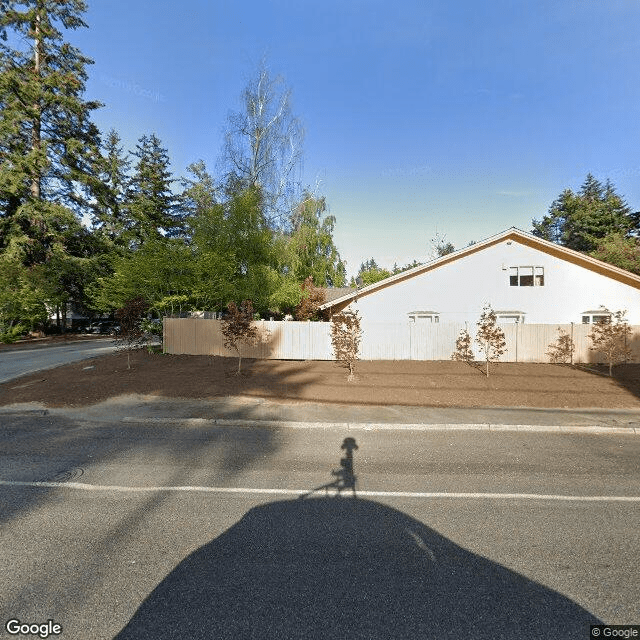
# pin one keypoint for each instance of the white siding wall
(458, 290)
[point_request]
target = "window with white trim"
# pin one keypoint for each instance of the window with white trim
(526, 276)
(593, 317)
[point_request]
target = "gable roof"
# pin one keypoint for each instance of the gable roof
(528, 239)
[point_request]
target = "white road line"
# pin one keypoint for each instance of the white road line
(298, 492)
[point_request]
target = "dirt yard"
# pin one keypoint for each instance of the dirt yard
(418, 383)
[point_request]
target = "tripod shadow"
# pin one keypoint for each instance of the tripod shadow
(345, 477)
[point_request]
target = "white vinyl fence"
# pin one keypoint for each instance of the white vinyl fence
(380, 340)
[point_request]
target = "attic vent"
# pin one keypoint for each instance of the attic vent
(424, 316)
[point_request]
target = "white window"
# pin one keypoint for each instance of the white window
(526, 276)
(424, 316)
(598, 315)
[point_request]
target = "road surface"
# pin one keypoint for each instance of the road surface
(17, 361)
(118, 529)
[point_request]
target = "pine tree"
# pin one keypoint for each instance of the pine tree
(580, 220)
(48, 144)
(110, 217)
(152, 206)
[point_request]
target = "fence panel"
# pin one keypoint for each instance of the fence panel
(380, 340)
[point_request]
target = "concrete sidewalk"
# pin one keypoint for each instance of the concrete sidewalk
(239, 410)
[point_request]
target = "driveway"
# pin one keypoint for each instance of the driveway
(21, 361)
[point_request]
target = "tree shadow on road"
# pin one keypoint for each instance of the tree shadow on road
(329, 567)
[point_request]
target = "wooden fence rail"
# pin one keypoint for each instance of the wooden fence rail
(380, 340)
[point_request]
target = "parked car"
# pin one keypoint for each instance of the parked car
(102, 327)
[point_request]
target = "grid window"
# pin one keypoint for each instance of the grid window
(526, 276)
(595, 318)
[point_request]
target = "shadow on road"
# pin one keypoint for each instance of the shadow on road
(345, 476)
(347, 568)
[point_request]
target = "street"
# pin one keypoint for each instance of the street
(19, 361)
(117, 529)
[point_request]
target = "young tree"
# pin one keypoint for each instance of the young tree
(463, 350)
(263, 145)
(131, 335)
(346, 335)
(611, 337)
(580, 220)
(490, 337)
(561, 351)
(238, 328)
(312, 298)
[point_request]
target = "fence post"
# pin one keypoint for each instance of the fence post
(572, 344)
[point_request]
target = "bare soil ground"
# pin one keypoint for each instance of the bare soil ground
(417, 383)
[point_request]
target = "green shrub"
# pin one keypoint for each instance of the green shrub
(12, 334)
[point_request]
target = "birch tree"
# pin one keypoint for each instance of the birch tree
(263, 146)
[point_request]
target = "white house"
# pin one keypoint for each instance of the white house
(523, 278)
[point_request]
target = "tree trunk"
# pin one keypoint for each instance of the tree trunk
(36, 124)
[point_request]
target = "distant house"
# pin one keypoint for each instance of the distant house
(524, 279)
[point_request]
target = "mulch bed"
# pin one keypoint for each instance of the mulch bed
(417, 383)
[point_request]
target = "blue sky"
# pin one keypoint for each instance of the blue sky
(462, 118)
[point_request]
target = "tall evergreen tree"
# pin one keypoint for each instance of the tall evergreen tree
(110, 217)
(580, 220)
(48, 143)
(152, 206)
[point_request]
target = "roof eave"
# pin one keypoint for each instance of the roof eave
(517, 234)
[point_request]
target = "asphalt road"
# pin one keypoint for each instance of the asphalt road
(19, 361)
(121, 530)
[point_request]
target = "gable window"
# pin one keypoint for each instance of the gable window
(526, 276)
(424, 316)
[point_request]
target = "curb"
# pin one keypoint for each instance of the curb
(382, 426)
